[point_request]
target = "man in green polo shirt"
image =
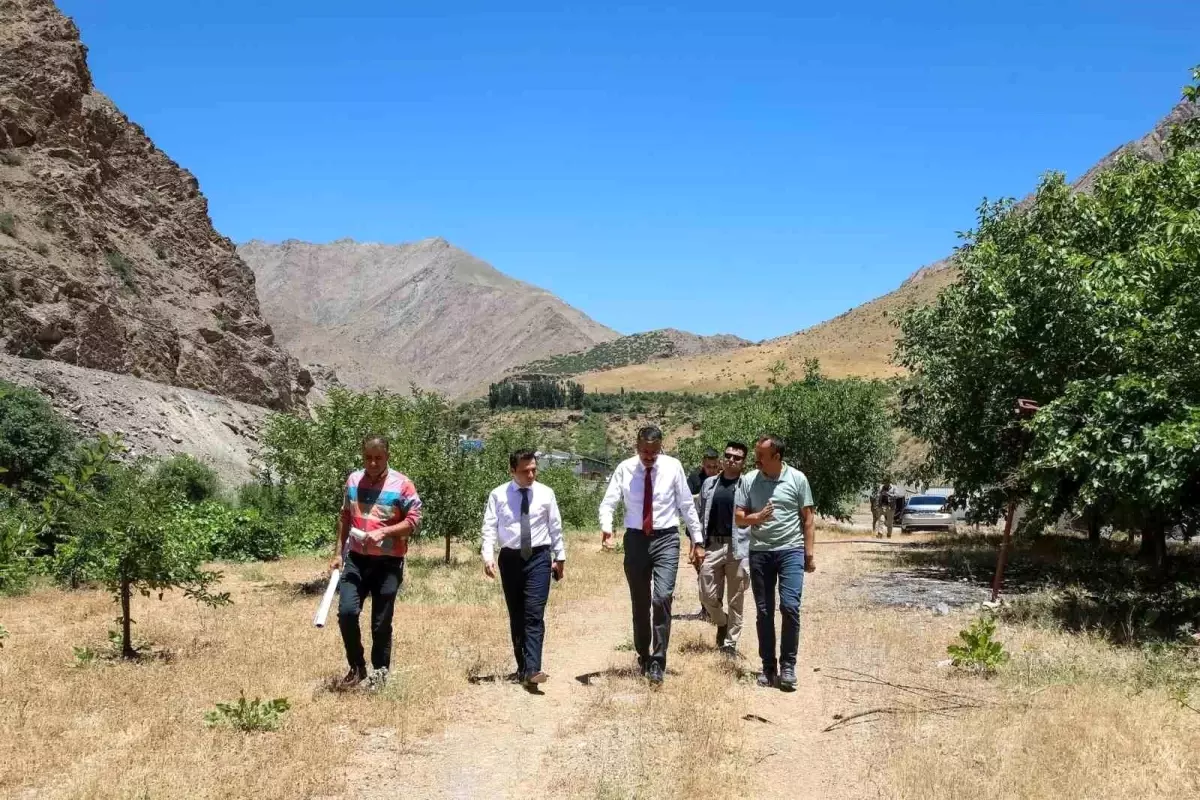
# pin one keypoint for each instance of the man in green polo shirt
(776, 501)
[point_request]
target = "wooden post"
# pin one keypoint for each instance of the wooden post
(1002, 559)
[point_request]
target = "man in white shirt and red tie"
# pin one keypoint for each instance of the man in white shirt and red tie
(655, 490)
(522, 515)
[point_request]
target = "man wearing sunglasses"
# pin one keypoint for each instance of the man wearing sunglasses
(726, 565)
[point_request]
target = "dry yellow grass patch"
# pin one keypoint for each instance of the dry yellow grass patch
(113, 729)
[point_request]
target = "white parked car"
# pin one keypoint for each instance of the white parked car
(927, 511)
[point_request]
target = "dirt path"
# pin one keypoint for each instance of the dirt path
(576, 739)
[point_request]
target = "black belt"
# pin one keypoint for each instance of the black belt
(655, 532)
(541, 548)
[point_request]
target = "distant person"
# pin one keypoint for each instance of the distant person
(655, 491)
(380, 511)
(522, 515)
(886, 502)
(725, 569)
(710, 465)
(776, 501)
(876, 510)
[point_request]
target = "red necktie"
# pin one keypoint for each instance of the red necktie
(648, 504)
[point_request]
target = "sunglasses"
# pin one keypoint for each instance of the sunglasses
(734, 457)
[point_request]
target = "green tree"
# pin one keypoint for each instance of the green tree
(837, 432)
(188, 477)
(1088, 303)
(123, 537)
(35, 442)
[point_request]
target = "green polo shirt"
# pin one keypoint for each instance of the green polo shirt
(790, 493)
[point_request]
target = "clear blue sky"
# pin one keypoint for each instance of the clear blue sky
(750, 167)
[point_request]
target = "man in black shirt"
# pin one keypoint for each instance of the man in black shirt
(710, 466)
(727, 550)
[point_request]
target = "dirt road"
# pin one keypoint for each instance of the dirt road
(599, 731)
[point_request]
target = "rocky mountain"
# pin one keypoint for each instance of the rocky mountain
(426, 313)
(108, 258)
(637, 348)
(858, 342)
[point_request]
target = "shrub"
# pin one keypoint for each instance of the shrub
(249, 715)
(18, 542)
(122, 267)
(42, 249)
(11, 158)
(187, 477)
(8, 224)
(35, 442)
(577, 499)
(979, 650)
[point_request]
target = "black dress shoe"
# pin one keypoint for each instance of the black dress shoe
(654, 673)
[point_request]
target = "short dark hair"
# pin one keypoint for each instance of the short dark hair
(649, 434)
(375, 439)
(776, 442)
(737, 446)
(711, 453)
(518, 456)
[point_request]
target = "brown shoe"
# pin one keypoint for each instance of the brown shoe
(353, 678)
(537, 677)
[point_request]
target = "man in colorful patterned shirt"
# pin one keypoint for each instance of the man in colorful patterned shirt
(380, 510)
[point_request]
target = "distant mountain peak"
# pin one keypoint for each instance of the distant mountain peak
(426, 312)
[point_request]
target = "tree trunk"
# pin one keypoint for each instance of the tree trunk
(1093, 526)
(1154, 546)
(447, 546)
(127, 650)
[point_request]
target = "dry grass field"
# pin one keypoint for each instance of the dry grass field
(1072, 715)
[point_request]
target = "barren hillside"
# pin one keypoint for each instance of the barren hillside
(859, 342)
(425, 313)
(108, 258)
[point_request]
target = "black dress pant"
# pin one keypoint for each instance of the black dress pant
(526, 589)
(377, 576)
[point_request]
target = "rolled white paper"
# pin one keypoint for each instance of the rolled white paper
(327, 600)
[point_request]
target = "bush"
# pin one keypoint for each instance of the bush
(8, 224)
(187, 477)
(979, 650)
(122, 267)
(248, 715)
(578, 500)
(10, 158)
(226, 534)
(18, 542)
(35, 442)
(42, 249)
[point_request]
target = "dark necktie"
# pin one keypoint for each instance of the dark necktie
(526, 528)
(648, 503)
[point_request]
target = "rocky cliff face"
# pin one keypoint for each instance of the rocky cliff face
(108, 258)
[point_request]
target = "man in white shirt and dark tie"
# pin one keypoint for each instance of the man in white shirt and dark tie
(522, 515)
(655, 490)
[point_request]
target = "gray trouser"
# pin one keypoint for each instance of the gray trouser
(650, 566)
(720, 572)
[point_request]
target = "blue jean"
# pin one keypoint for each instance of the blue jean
(785, 567)
(526, 589)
